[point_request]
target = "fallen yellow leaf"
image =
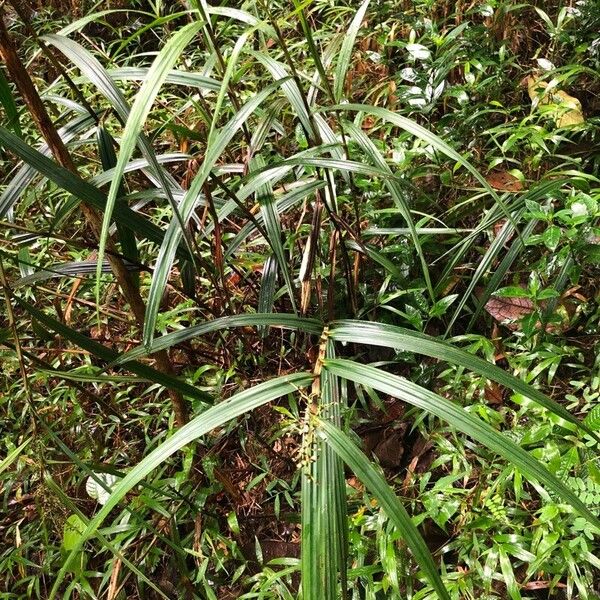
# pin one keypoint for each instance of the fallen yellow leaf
(566, 110)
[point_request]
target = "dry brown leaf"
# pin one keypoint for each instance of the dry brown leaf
(509, 309)
(493, 394)
(368, 123)
(503, 181)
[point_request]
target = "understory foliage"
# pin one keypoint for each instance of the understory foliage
(304, 304)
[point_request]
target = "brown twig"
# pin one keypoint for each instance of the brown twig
(38, 113)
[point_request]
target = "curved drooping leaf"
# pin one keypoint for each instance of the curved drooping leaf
(393, 186)
(273, 230)
(284, 321)
(214, 417)
(139, 164)
(379, 334)
(279, 72)
(427, 136)
(95, 72)
(389, 502)
(282, 204)
(108, 158)
(70, 269)
(463, 421)
(174, 77)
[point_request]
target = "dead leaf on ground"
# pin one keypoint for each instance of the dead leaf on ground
(493, 394)
(355, 483)
(503, 181)
(566, 110)
(509, 310)
(498, 228)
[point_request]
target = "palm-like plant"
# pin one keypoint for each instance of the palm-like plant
(337, 151)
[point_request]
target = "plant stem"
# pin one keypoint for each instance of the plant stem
(38, 113)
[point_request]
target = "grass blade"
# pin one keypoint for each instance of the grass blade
(10, 458)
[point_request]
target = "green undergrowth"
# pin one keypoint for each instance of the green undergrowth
(366, 241)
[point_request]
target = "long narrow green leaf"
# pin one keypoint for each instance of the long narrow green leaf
(10, 458)
(266, 296)
(142, 164)
(485, 263)
(174, 77)
(282, 204)
(379, 258)
(157, 74)
(343, 62)
(491, 218)
(378, 487)
(108, 158)
(214, 417)
(284, 321)
(26, 174)
(273, 229)
(69, 269)
(289, 87)
(96, 73)
(231, 63)
(377, 334)
(327, 59)
(81, 189)
(109, 356)
(463, 421)
(174, 232)
(324, 516)
(8, 102)
(499, 272)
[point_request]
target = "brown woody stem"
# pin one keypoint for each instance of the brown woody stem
(38, 113)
